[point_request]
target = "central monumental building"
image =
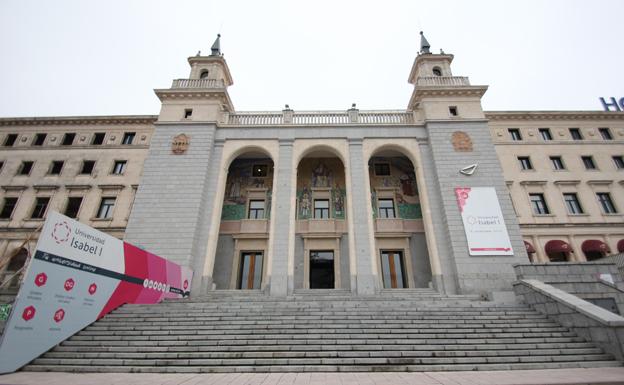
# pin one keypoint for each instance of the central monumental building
(359, 201)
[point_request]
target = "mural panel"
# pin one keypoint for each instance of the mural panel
(397, 173)
(320, 176)
(245, 175)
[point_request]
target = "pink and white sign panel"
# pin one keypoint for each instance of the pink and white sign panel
(483, 221)
(76, 276)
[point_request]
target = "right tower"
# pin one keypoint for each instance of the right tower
(461, 154)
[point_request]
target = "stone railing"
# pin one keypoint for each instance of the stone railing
(442, 81)
(312, 118)
(198, 83)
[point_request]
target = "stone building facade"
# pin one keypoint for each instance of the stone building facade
(293, 200)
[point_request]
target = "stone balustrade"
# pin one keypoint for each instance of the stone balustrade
(312, 118)
(443, 81)
(198, 83)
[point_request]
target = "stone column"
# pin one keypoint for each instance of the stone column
(278, 284)
(366, 281)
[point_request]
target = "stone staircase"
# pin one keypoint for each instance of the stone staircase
(327, 331)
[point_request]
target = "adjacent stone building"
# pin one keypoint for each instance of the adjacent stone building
(293, 200)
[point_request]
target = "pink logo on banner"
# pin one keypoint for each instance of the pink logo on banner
(61, 232)
(92, 288)
(462, 194)
(185, 286)
(59, 315)
(69, 284)
(29, 313)
(41, 279)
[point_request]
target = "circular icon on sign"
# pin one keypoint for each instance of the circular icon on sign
(92, 288)
(59, 315)
(28, 313)
(61, 232)
(41, 279)
(69, 284)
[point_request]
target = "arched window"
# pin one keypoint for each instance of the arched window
(203, 74)
(437, 71)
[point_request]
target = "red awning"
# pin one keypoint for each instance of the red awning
(594, 245)
(620, 246)
(557, 246)
(529, 247)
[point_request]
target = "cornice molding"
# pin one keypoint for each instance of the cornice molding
(79, 120)
(554, 115)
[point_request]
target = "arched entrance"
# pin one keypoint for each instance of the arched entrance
(240, 259)
(401, 244)
(558, 251)
(321, 259)
(594, 249)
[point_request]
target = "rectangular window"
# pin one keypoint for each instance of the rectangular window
(73, 206)
(56, 167)
(321, 209)
(545, 133)
(41, 205)
(259, 170)
(68, 139)
(576, 134)
(588, 161)
(619, 162)
(557, 163)
(119, 167)
(128, 138)
(256, 209)
(525, 163)
(382, 169)
(572, 203)
(87, 167)
(539, 204)
(8, 207)
(605, 133)
(393, 270)
(386, 208)
(25, 168)
(39, 139)
(188, 113)
(1, 165)
(250, 271)
(606, 203)
(106, 208)
(453, 111)
(514, 133)
(98, 138)
(10, 140)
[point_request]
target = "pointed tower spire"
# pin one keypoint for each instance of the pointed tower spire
(424, 44)
(216, 46)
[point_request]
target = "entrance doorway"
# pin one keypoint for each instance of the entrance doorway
(250, 272)
(393, 270)
(321, 269)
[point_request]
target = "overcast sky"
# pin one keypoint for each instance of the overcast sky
(93, 57)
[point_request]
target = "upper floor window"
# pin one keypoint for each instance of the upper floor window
(56, 167)
(119, 167)
(453, 111)
(386, 208)
(73, 206)
(382, 169)
(39, 139)
(619, 162)
(437, 71)
(128, 138)
(105, 211)
(525, 163)
(588, 161)
(203, 74)
(25, 168)
(605, 133)
(572, 203)
(576, 134)
(10, 140)
(514, 133)
(321, 208)
(557, 163)
(256, 209)
(8, 207)
(41, 205)
(259, 170)
(87, 167)
(68, 139)
(188, 113)
(98, 138)
(545, 133)
(538, 203)
(606, 203)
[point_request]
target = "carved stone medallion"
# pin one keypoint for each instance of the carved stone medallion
(180, 144)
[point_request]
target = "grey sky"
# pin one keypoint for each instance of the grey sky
(105, 57)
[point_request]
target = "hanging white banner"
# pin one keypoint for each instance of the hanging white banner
(483, 220)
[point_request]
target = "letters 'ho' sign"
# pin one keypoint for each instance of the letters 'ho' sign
(618, 105)
(77, 275)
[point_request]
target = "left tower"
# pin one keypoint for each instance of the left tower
(177, 185)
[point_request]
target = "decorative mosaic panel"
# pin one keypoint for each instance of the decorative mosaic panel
(410, 211)
(233, 212)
